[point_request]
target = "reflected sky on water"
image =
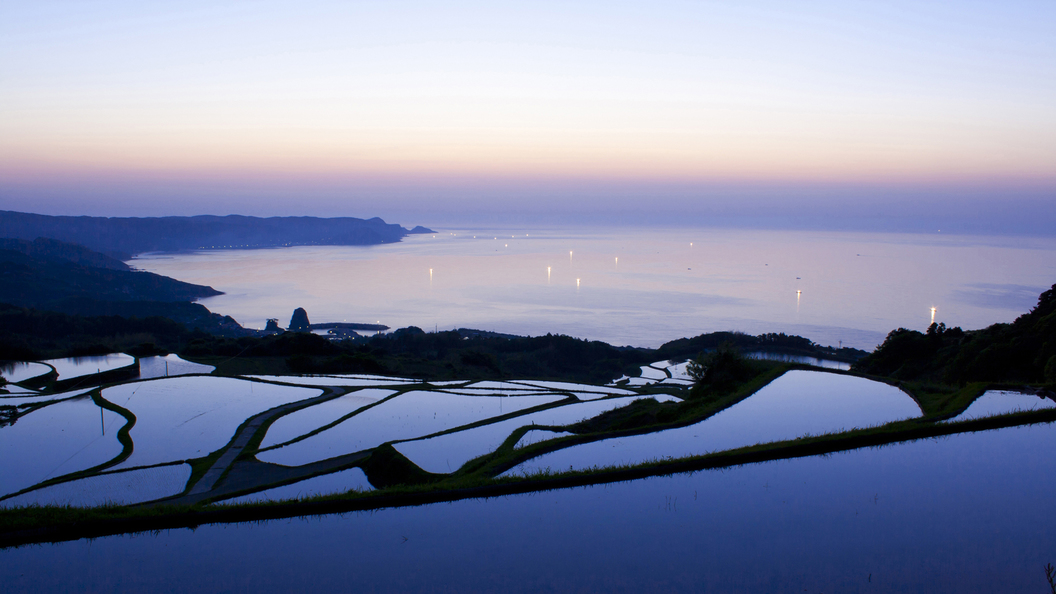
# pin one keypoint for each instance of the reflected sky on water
(964, 513)
(635, 286)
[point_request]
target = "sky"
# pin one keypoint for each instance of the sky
(889, 115)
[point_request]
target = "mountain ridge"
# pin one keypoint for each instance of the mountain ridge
(124, 237)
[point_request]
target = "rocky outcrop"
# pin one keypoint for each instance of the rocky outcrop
(299, 322)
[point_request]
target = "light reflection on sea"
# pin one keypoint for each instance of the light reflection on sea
(641, 287)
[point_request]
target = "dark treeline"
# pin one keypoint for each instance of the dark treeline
(442, 355)
(27, 335)
(787, 344)
(1023, 351)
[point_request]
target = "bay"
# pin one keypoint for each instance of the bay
(635, 286)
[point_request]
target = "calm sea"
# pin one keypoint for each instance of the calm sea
(635, 286)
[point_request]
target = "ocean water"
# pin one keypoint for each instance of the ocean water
(635, 286)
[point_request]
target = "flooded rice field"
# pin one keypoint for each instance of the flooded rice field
(314, 430)
(20, 372)
(405, 416)
(57, 439)
(855, 521)
(353, 479)
(965, 513)
(798, 403)
(74, 367)
(189, 417)
(124, 487)
(447, 453)
(1000, 402)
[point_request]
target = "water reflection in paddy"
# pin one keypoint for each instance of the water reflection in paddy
(823, 363)
(491, 385)
(966, 513)
(326, 380)
(189, 417)
(10, 389)
(999, 402)
(447, 453)
(367, 376)
(55, 440)
(73, 367)
(29, 398)
(493, 392)
(576, 387)
(169, 366)
(409, 415)
(123, 488)
(352, 479)
(797, 403)
(308, 419)
(17, 372)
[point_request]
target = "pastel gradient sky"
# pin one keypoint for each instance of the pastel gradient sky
(907, 113)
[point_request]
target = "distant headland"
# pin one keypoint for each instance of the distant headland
(124, 237)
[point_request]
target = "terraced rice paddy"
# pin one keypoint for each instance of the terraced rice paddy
(998, 402)
(566, 386)
(367, 376)
(796, 404)
(306, 420)
(447, 453)
(20, 372)
(342, 481)
(189, 417)
(501, 386)
(74, 367)
(409, 415)
(169, 366)
(13, 389)
(309, 437)
(29, 398)
(468, 391)
(113, 488)
(538, 436)
(327, 380)
(55, 440)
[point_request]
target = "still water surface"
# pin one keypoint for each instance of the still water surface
(638, 286)
(796, 404)
(967, 513)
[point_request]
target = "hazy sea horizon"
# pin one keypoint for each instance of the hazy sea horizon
(637, 286)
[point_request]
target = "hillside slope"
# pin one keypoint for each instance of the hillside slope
(124, 237)
(1023, 351)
